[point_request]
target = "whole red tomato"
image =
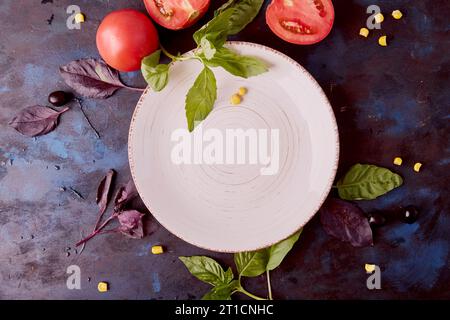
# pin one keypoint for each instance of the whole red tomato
(124, 37)
(176, 14)
(300, 21)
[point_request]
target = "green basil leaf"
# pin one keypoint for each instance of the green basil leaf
(152, 60)
(229, 19)
(367, 182)
(216, 30)
(241, 66)
(225, 6)
(278, 251)
(208, 49)
(251, 264)
(156, 75)
(229, 276)
(255, 263)
(244, 13)
(222, 292)
(207, 270)
(201, 97)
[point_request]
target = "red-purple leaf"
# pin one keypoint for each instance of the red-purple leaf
(347, 222)
(125, 195)
(104, 189)
(91, 78)
(131, 224)
(36, 120)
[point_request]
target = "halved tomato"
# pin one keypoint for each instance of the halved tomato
(300, 21)
(176, 14)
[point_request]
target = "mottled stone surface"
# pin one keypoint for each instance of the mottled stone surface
(389, 102)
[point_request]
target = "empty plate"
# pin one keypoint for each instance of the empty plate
(278, 161)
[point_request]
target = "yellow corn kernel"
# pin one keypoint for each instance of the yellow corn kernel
(417, 166)
(242, 91)
(397, 14)
(379, 18)
(102, 286)
(364, 32)
(398, 161)
(382, 41)
(79, 18)
(369, 268)
(157, 249)
(235, 99)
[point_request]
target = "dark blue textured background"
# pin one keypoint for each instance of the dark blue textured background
(391, 101)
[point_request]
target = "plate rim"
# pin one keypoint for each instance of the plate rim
(322, 197)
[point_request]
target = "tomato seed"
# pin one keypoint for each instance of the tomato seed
(160, 5)
(295, 27)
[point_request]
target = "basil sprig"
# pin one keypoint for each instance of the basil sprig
(248, 264)
(228, 20)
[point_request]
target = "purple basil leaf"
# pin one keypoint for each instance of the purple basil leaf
(36, 120)
(91, 78)
(131, 224)
(104, 189)
(347, 222)
(125, 195)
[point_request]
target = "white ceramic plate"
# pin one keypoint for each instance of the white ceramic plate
(232, 207)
